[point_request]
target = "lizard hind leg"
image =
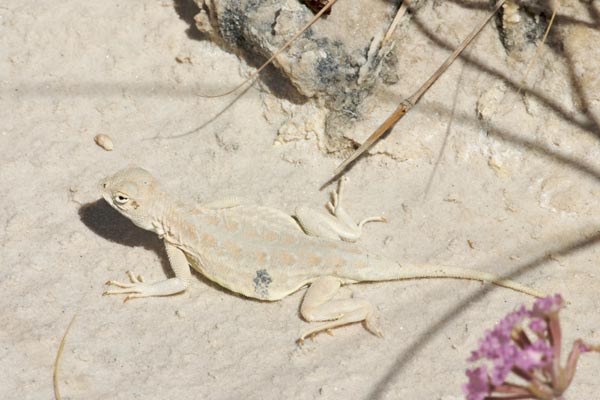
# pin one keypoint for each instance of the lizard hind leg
(318, 305)
(336, 225)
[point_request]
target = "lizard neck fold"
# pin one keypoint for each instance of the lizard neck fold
(170, 222)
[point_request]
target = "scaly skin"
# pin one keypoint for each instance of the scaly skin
(263, 253)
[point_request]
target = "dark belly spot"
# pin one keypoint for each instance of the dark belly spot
(261, 283)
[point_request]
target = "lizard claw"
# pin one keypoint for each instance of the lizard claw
(336, 195)
(311, 335)
(373, 324)
(135, 279)
(135, 289)
(372, 219)
(132, 278)
(133, 296)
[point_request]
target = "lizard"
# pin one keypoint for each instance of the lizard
(263, 253)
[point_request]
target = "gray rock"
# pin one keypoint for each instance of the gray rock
(521, 26)
(336, 62)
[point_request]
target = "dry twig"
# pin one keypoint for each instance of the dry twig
(399, 14)
(539, 48)
(277, 53)
(61, 347)
(408, 103)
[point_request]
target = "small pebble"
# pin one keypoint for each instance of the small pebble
(104, 141)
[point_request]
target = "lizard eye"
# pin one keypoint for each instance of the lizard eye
(121, 199)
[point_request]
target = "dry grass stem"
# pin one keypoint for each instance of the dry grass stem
(409, 102)
(61, 347)
(401, 11)
(277, 53)
(538, 51)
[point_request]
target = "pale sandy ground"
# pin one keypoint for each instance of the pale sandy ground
(521, 187)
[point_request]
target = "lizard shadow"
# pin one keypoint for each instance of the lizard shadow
(106, 222)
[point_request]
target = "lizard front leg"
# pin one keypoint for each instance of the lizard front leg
(319, 306)
(336, 225)
(138, 288)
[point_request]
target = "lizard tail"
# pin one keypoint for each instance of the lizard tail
(401, 272)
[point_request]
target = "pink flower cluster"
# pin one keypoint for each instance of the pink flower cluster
(526, 343)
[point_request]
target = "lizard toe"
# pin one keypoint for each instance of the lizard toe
(373, 324)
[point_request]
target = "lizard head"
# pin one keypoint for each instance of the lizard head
(132, 192)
